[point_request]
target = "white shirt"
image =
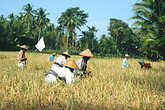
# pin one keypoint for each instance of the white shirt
(125, 63)
(60, 60)
(66, 73)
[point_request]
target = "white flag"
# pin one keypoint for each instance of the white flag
(40, 45)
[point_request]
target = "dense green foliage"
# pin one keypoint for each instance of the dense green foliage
(150, 25)
(145, 39)
(71, 19)
(123, 37)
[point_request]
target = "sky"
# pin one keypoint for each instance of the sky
(100, 11)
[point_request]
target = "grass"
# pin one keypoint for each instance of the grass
(110, 87)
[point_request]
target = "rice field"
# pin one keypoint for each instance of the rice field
(110, 87)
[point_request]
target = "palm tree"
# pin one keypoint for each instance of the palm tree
(59, 37)
(51, 38)
(42, 20)
(87, 39)
(4, 42)
(71, 19)
(106, 45)
(28, 14)
(21, 32)
(150, 22)
(92, 31)
(102, 40)
(116, 29)
(84, 40)
(10, 26)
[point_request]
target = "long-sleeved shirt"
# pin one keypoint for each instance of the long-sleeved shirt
(62, 73)
(81, 65)
(125, 63)
(59, 62)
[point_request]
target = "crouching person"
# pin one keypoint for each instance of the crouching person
(125, 62)
(82, 63)
(52, 57)
(60, 61)
(144, 65)
(65, 72)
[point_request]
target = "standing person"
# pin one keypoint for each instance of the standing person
(82, 63)
(125, 61)
(63, 72)
(21, 56)
(60, 61)
(51, 57)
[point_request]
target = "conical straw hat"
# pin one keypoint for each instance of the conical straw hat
(86, 53)
(23, 46)
(66, 53)
(71, 64)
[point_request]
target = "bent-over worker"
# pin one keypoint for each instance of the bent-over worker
(63, 72)
(82, 63)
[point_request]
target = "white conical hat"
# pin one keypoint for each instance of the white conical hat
(86, 53)
(126, 55)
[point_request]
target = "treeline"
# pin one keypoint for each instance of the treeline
(145, 39)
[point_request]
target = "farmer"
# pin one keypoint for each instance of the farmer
(51, 57)
(125, 61)
(65, 72)
(60, 61)
(144, 65)
(21, 56)
(82, 63)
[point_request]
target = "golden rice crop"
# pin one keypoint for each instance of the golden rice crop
(110, 87)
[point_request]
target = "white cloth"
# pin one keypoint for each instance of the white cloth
(20, 64)
(60, 60)
(62, 72)
(40, 45)
(50, 78)
(125, 63)
(65, 73)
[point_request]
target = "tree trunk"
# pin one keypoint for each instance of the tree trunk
(67, 40)
(116, 42)
(75, 44)
(73, 40)
(39, 33)
(56, 42)
(92, 43)
(28, 22)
